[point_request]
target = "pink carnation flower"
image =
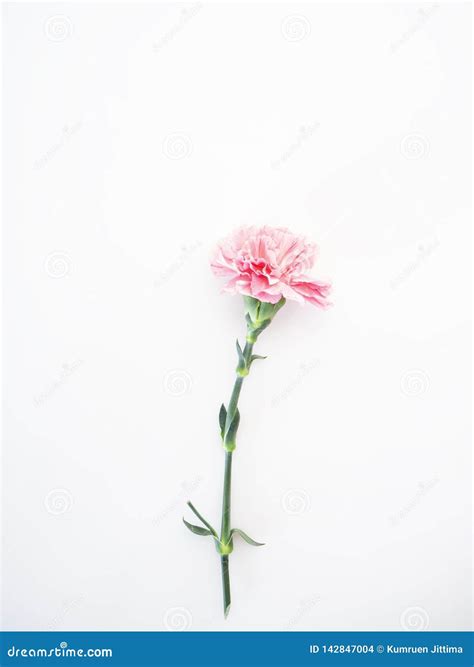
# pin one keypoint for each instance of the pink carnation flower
(269, 263)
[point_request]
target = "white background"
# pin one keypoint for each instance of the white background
(136, 135)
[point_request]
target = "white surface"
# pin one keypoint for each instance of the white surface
(353, 456)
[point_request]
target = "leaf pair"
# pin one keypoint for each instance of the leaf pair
(228, 435)
(243, 367)
(209, 530)
(197, 530)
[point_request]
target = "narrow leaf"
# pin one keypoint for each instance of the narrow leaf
(232, 430)
(246, 537)
(196, 529)
(253, 357)
(239, 351)
(242, 365)
(256, 356)
(199, 516)
(222, 418)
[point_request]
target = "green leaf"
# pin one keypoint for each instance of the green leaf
(246, 537)
(196, 529)
(230, 436)
(239, 350)
(242, 365)
(222, 418)
(256, 356)
(199, 516)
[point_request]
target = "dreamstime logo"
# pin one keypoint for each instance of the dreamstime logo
(414, 619)
(305, 133)
(414, 146)
(425, 250)
(296, 501)
(414, 382)
(304, 608)
(65, 609)
(66, 371)
(57, 264)
(68, 131)
(424, 14)
(177, 619)
(187, 489)
(177, 146)
(296, 27)
(335, 224)
(177, 382)
(187, 251)
(58, 28)
(303, 370)
(58, 501)
(187, 13)
(423, 489)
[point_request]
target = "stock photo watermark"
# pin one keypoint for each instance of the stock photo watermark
(304, 370)
(177, 382)
(423, 489)
(66, 608)
(414, 619)
(187, 488)
(296, 502)
(58, 264)
(66, 371)
(423, 253)
(414, 146)
(305, 133)
(177, 619)
(177, 146)
(65, 137)
(177, 263)
(58, 28)
(61, 651)
(58, 501)
(423, 15)
(303, 610)
(295, 27)
(186, 14)
(414, 382)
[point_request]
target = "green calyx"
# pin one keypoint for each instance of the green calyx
(259, 315)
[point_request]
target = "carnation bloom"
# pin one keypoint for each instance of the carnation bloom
(269, 263)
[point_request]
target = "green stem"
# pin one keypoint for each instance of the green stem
(226, 496)
(225, 583)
